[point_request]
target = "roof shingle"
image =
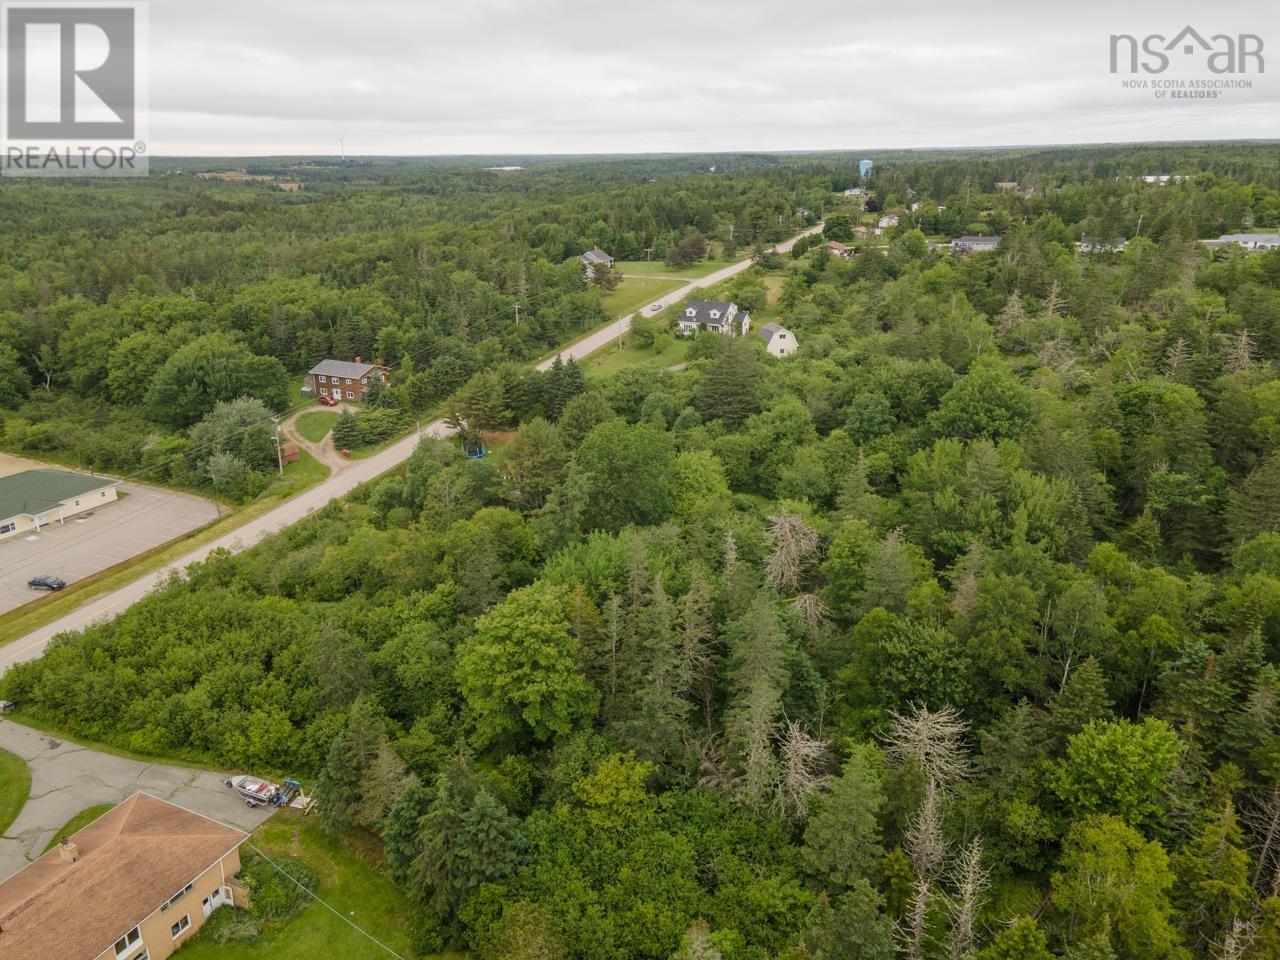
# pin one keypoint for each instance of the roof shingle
(132, 859)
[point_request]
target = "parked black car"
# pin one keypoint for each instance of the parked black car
(46, 583)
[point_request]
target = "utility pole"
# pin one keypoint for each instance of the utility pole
(648, 254)
(342, 149)
(517, 313)
(279, 453)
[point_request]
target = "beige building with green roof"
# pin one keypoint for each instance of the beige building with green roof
(35, 498)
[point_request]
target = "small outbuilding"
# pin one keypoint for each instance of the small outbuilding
(778, 340)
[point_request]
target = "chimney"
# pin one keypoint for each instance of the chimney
(357, 358)
(68, 851)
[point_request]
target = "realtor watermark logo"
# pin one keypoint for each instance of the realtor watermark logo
(75, 89)
(1206, 69)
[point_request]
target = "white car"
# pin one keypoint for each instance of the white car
(655, 307)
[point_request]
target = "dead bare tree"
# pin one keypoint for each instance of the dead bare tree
(934, 739)
(926, 848)
(1235, 941)
(1240, 352)
(801, 775)
(714, 771)
(1262, 817)
(794, 544)
(971, 880)
(1174, 358)
(812, 608)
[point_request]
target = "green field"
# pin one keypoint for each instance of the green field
(606, 362)
(314, 424)
(349, 880)
(634, 294)
(15, 784)
(659, 269)
(79, 822)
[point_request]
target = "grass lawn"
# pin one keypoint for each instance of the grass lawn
(350, 880)
(314, 425)
(79, 821)
(605, 363)
(304, 472)
(15, 784)
(659, 269)
(634, 294)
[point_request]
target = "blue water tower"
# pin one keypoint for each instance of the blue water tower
(864, 168)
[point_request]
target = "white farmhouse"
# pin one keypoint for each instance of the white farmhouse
(717, 316)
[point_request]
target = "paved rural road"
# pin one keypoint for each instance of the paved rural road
(291, 511)
(112, 604)
(67, 778)
(605, 335)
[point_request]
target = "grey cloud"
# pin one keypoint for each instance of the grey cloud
(499, 76)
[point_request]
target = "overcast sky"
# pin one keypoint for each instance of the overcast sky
(419, 77)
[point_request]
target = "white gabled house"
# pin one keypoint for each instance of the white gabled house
(778, 340)
(594, 258)
(717, 316)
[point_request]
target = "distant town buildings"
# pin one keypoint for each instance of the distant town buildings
(1089, 245)
(973, 244)
(838, 249)
(853, 192)
(1255, 242)
(716, 316)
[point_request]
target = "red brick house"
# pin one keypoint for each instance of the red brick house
(343, 379)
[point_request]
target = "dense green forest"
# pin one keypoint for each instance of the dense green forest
(955, 635)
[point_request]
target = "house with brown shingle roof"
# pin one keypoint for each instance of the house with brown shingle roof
(132, 885)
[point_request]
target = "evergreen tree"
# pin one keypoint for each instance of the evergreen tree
(346, 431)
(1213, 877)
(842, 841)
(340, 786)
(851, 926)
(1255, 508)
(467, 838)
(402, 829)
(1082, 699)
(730, 386)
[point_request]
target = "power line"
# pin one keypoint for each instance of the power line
(355, 926)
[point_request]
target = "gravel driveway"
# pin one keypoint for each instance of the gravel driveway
(66, 778)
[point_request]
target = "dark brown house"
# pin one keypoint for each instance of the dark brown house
(343, 379)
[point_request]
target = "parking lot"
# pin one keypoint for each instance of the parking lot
(143, 518)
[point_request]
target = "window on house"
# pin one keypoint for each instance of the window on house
(127, 942)
(176, 897)
(181, 925)
(324, 380)
(350, 395)
(348, 380)
(365, 381)
(7, 528)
